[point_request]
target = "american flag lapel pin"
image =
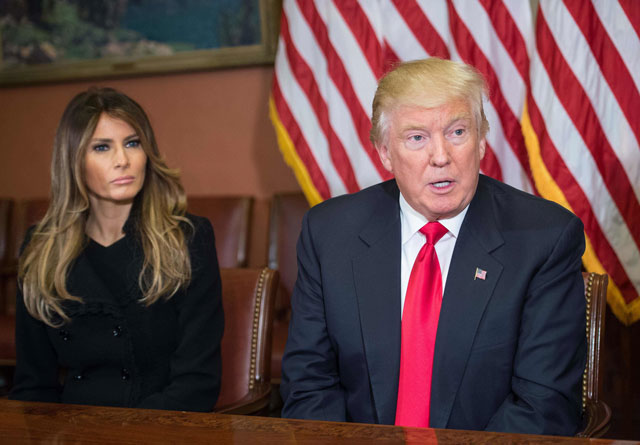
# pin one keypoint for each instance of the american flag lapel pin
(480, 274)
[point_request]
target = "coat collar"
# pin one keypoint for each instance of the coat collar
(86, 281)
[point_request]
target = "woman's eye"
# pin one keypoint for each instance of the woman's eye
(101, 147)
(133, 143)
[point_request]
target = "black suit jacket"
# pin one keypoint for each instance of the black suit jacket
(510, 349)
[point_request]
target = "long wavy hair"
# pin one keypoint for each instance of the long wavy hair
(60, 237)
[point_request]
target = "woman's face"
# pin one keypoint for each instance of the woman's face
(114, 163)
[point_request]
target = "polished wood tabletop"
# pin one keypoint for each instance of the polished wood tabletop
(30, 422)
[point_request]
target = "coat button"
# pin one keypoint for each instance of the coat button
(117, 331)
(125, 374)
(65, 335)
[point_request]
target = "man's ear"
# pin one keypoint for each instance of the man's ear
(482, 147)
(385, 156)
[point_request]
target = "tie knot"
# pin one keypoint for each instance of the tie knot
(433, 231)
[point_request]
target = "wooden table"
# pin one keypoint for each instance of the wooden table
(29, 422)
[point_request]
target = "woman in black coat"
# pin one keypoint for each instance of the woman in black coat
(120, 300)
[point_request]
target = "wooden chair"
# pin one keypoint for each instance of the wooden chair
(7, 271)
(231, 220)
(287, 210)
(23, 214)
(248, 297)
(596, 413)
(6, 207)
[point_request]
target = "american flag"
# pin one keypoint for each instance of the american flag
(567, 84)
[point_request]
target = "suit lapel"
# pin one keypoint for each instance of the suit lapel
(377, 282)
(464, 301)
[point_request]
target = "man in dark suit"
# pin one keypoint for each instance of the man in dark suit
(509, 349)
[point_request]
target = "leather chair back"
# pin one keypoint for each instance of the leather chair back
(231, 220)
(7, 273)
(24, 214)
(596, 413)
(287, 211)
(6, 207)
(248, 297)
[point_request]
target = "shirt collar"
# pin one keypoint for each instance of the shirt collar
(412, 221)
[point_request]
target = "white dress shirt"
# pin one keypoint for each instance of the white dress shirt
(413, 240)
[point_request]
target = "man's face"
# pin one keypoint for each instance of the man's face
(435, 156)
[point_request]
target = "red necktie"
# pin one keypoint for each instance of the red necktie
(419, 326)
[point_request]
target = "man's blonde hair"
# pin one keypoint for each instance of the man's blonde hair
(427, 83)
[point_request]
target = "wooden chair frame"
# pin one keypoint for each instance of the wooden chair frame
(596, 413)
(258, 392)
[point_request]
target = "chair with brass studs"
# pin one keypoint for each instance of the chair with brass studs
(248, 297)
(596, 413)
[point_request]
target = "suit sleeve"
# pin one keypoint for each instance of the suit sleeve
(36, 372)
(196, 365)
(546, 385)
(310, 381)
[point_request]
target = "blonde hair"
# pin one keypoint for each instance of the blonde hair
(427, 83)
(60, 237)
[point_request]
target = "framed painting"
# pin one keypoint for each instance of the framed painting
(58, 40)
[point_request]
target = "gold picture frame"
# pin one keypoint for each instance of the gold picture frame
(260, 53)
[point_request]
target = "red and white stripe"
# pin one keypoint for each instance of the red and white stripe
(585, 108)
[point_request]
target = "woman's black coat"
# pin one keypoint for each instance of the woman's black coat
(118, 352)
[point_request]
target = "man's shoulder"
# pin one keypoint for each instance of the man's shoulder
(363, 202)
(512, 203)
(343, 217)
